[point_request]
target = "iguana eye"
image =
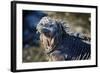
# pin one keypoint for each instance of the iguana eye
(41, 23)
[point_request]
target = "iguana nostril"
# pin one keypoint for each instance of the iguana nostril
(45, 30)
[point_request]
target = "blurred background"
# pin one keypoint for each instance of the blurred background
(32, 48)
